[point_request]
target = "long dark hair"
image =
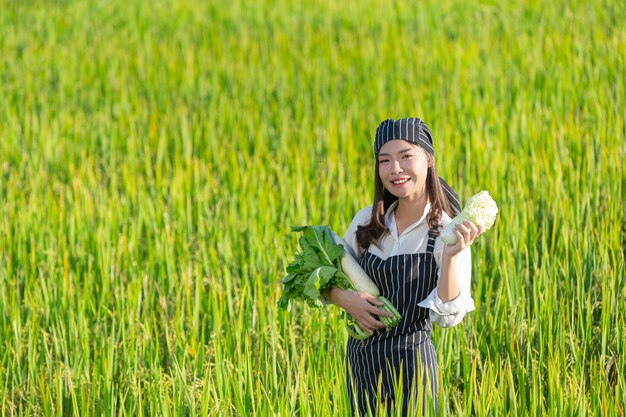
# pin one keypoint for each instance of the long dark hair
(373, 232)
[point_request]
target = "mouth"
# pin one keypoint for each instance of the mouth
(400, 181)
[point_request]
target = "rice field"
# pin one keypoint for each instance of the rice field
(153, 155)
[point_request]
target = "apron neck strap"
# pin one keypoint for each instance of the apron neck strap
(431, 242)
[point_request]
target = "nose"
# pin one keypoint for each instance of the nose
(395, 167)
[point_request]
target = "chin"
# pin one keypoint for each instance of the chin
(399, 195)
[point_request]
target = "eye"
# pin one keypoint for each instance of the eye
(407, 156)
(383, 161)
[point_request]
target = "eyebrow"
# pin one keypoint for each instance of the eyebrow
(400, 152)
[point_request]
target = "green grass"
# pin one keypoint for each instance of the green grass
(153, 155)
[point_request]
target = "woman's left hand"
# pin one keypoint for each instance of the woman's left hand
(466, 233)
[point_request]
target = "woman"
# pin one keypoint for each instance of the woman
(396, 242)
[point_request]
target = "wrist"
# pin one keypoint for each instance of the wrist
(448, 258)
(334, 295)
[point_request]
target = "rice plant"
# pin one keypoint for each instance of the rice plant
(154, 154)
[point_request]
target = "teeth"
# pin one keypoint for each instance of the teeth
(400, 181)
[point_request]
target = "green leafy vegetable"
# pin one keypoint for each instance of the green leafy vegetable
(315, 269)
(323, 264)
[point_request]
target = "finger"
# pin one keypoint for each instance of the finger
(365, 318)
(374, 321)
(372, 300)
(365, 327)
(462, 228)
(470, 225)
(370, 324)
(472, 231)
(472, 228)
(376, 324)
(379, 312)
(375, 302)
(460, 239)
(375, 311)
(464, 231)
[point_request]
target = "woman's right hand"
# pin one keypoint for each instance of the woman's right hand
(361, 306)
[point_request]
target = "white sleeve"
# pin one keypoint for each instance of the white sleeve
(450, 313)
(361, 218)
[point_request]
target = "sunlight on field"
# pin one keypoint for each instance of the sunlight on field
(153, 155)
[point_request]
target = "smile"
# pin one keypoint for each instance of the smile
(401, 181)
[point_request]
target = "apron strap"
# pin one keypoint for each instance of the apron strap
(431, 242)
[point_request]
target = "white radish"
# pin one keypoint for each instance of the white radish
(361, 282)
(357, 276)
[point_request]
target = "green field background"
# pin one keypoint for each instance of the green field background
(153, 155)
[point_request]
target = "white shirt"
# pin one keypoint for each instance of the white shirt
(414, 239)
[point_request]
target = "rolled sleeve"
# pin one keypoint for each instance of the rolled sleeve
(451, 313)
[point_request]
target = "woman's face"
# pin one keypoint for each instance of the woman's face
(403, 167)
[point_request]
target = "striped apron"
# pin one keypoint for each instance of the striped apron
(405, 354)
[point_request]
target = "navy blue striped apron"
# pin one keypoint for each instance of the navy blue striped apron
(404, 354)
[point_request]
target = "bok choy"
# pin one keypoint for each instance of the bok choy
(323, 264)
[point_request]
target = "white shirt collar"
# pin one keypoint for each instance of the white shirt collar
(390, 219)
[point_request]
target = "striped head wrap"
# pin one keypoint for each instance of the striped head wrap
(415, 131)
(410, 129)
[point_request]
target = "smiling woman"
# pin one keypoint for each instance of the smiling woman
(397, 243)
(403, 168)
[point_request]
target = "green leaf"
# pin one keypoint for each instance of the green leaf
(318, 281)
(288, 278)
(320, 240)
(315, 269)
